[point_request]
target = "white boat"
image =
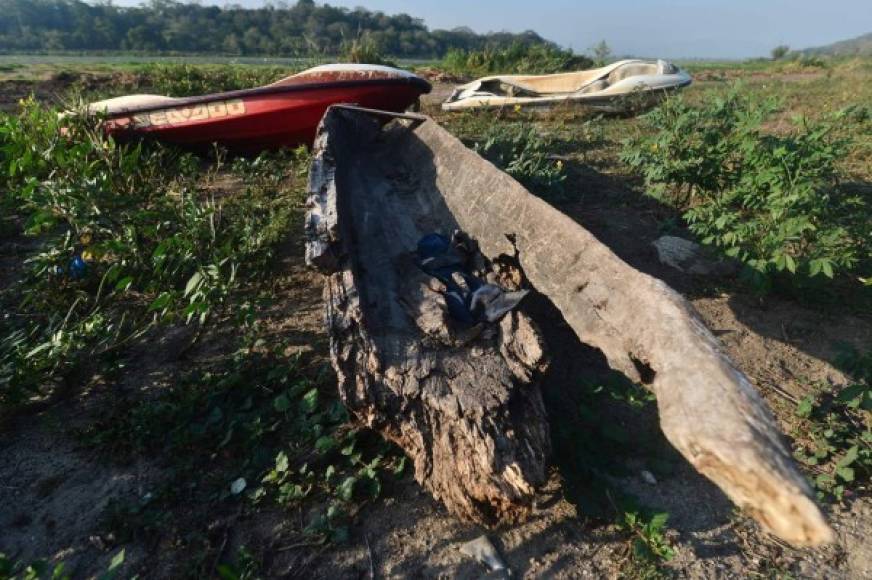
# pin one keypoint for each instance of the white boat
(619, 87)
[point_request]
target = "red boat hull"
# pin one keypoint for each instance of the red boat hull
(258, 119)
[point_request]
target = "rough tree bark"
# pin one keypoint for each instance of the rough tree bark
(462, 403)
(708, 409)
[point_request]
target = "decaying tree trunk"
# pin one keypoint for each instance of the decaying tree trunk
(462, 403)
(468, 416)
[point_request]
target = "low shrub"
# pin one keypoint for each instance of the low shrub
(128, 235)
(774, 201)
(834, 436)
(183, 80)
(524, 154)
(516, 59)
(364, 50)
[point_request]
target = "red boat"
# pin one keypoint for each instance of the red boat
(284, 113)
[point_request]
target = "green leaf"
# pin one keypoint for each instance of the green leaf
(827, 268)
(846, 473)
(161, 302)
(117, 560)
(226, 572)
(124, 283)
(346, 488)
(852, 395)
(282, 403)
(194, 283)
(659, 520)
(805, 406)
(325, 444)
(849, 457)
(310, 401)
(282, 462)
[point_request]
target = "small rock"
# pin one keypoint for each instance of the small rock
(238, 486)
(649, 477)
(690, 258)
(483, 551)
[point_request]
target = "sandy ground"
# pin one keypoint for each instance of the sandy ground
(54, 491)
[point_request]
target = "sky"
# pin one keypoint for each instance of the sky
(651, 28)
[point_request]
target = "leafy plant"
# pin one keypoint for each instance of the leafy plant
(121, 247)
(519, 58)
(43, 570)
(364, 50)
(780, 51)
(36, 570)
(246, 567)
(773, 201)
(182, 80)
(524, 154)
(834, 438)
(648, 542)
(601, 53)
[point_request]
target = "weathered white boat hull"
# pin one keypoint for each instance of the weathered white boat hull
(622, 86)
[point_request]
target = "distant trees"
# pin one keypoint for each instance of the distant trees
(300, 29)
(601, 53)
(780, 51)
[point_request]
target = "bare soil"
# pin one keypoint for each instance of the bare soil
(54, 492)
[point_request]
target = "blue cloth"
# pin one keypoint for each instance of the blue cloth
(438, 258)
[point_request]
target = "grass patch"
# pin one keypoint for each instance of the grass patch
(182, 80)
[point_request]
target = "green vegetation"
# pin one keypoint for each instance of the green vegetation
(121, 247)
(834, 436)
(302, 29)
(364, 51)
(775, 201)
(780, 51)
(171, 250)
(273, 425)
(42, 570)
(181, 80)
(525, 154)
(130, 242)
(601, 53)
(587, 440)
(519, 58)
(38, 570)
(648, 547)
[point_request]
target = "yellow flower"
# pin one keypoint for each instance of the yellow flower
(517, 108)
(559, 164)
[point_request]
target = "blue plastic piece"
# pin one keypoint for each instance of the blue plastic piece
(433, 245)
(78, 267)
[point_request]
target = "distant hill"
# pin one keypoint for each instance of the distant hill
(301, 29)
(860, 46)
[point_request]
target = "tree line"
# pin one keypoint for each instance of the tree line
(300, 29)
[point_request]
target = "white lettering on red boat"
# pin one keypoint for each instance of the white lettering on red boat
(181, 115)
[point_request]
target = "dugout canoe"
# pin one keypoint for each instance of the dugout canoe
(282, 114)
(469, 414)
(624, 86)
